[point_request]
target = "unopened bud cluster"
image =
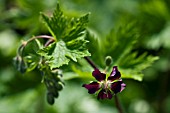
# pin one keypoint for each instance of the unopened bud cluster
(54, 84)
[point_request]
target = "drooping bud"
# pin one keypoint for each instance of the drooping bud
(108, 60)
(50, 98)
(23, 67)
(20, 64)
(59, 86)
(55, 93)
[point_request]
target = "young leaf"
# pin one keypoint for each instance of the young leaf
(62, 27)
(132, 66)
(58, 54)
(120, 41)
(70, 39)
(57, 23)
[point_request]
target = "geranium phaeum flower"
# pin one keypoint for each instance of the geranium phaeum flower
(106, 87)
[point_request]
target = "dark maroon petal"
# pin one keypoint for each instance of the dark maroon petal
(109, 94)
(92, 87)
(103, 94)
(118, 86)
(115, 74)
(98, 75)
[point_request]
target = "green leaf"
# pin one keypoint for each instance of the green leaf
(121, 42)
(136, 66)
(132, 65)
(131, 74)
(63, 27)
(78, 43)
(57, 23)
(57, 54)
(70, 38)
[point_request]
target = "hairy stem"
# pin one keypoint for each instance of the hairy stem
(118, 105)
(40, 36)
(24, 43)
(90, 62)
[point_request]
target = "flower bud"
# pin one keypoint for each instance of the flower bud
(108, 60)
(55, 93)
(20, 64)
(59, 86)
(50, 98)
(23, 67)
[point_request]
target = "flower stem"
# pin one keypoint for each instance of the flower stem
(40, 36)
(24, 43)
(90, 62)
(118, 105)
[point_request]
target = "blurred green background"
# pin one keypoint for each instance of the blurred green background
(20, 19)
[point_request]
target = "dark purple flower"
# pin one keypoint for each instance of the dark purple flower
(106, 87)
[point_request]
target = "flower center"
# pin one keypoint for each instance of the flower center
(105, 84)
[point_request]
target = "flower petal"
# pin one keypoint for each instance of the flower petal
(92, 87)
(115, 74)
(98, 75)
(118, 86)
(103, 94)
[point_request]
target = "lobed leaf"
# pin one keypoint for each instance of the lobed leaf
(63, 27)
(70, 39)
(57, 54)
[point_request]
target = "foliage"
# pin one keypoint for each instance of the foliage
(121, 43)
(68, 43)
(138, 36)
(69, 36)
